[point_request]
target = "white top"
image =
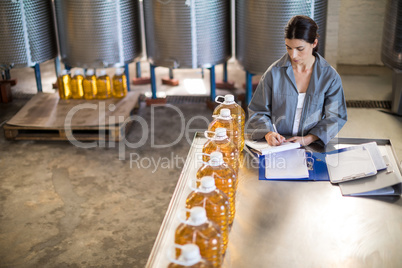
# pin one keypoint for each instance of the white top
(198, 216)
(190, 253)
(78, 72)
(299, 109)
(102, 72)
(119, 71)
(229, 99)
(90, 72)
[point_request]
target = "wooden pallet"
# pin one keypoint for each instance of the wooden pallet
(46, 117)
(108, 133)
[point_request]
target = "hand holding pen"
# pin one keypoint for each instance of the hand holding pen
(274, 138)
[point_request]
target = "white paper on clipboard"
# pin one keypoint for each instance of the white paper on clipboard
(350, 165)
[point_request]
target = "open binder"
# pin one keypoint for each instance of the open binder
(386, 181)
(316, 168)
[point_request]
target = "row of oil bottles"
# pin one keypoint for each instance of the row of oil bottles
(202, 239)
(92, 87)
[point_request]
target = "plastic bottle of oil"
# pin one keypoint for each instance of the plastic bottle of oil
(190, 257)
(103, 85)
(202, 232)
(77, 90)
(236, 111)
(225, 120)
(64, 83)
(225, 179)
(221, 143)
(89, 85)
(215, 202)
(119, 84)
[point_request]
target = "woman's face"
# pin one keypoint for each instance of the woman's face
(300, 51)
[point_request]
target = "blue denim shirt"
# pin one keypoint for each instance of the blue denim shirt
(275, 101)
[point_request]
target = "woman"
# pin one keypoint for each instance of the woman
(300, 94)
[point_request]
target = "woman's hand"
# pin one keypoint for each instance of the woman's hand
(274, 139)
(304, 141)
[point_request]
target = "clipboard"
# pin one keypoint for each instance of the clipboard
(350, 165)
(386, 182)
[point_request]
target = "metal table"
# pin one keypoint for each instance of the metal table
(296, 223)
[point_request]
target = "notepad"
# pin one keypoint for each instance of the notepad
(350, 165)
(262, 147)
(289, 164)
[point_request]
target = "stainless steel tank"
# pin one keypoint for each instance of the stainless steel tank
(187, 33)
(391, 52)
(98, 33)
(260, 27)
(27, 33)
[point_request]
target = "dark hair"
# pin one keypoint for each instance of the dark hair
(302, 27)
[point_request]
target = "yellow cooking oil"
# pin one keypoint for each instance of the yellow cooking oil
(216, 204)
(190, 257)
(89, 85)
(103, 85)
(220, 142)
(64, 84)
(202, 232)
(236, 111)
(119, 83)
(225, 120)
(77, 90)
(225, 179)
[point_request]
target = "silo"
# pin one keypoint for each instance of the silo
(98, 33)
(260, 26)
(187, 33)
(26, 33)
(391, 53)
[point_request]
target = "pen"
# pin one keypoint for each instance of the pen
(281, 138)
(275, 130)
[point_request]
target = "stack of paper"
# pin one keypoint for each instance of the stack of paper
(262, 147)
(289, 164)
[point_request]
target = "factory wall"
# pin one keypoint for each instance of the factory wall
(354, 31)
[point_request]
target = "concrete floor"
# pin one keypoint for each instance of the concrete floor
(64, 206)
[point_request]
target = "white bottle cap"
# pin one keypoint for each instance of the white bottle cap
(220, 133)
(78, 72)
(119, 71)
(90, 72)
(190, 253)
(225, 113)
(198, 216)
(207, 184)
(229, 98)
(64, 72)
(102, 72)
(216, 159)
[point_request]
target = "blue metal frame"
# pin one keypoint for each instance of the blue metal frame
(138, 69)
(38, 77)
(153, 80)
(212, 82)
(57, 66)
(7, 74)
(225, 72)
(170, 73)
(126, 71)
(249, 87)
